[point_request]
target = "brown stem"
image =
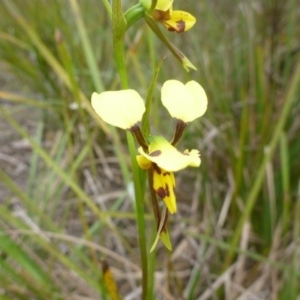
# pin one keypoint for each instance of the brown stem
(164, 227)
(154, 201)
(136, 130)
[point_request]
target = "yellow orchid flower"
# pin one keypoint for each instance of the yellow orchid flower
(161, 11)
(177, 20)
(164, 159)
(124, 109)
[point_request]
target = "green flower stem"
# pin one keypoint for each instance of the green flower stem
(108, 7)
(119, 28)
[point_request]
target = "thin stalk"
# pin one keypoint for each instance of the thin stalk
(119, 29)
(108, 7)
(155, 205)
(87, 47)
(284, 159)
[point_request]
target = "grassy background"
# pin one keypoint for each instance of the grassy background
(65, 196)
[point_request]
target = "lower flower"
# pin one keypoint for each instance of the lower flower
(165, 159)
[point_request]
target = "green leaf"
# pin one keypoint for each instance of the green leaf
(145, 120)
(19, 255)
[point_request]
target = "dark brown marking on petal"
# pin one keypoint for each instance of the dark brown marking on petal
(167, 191)
(161, 192)
(155, 153)
(172, 29)
(161, 15)
(180, 26)
(166, 173)
(156, 169)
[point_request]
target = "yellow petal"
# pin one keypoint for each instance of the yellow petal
(167, 157)
(194, 155)
(164, 5)
(180, 21)
(119, 108)
(164, 186)
(184, 102)
(143, 162)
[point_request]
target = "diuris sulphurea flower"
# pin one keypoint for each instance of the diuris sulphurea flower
(125, 109)
(161, 11)
(173, 20)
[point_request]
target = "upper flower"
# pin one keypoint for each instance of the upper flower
(177, 20)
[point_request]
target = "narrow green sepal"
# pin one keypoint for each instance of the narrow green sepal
(165, 238)
(162, 232)
(155, 243)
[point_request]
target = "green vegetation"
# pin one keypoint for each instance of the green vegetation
(66, 200)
